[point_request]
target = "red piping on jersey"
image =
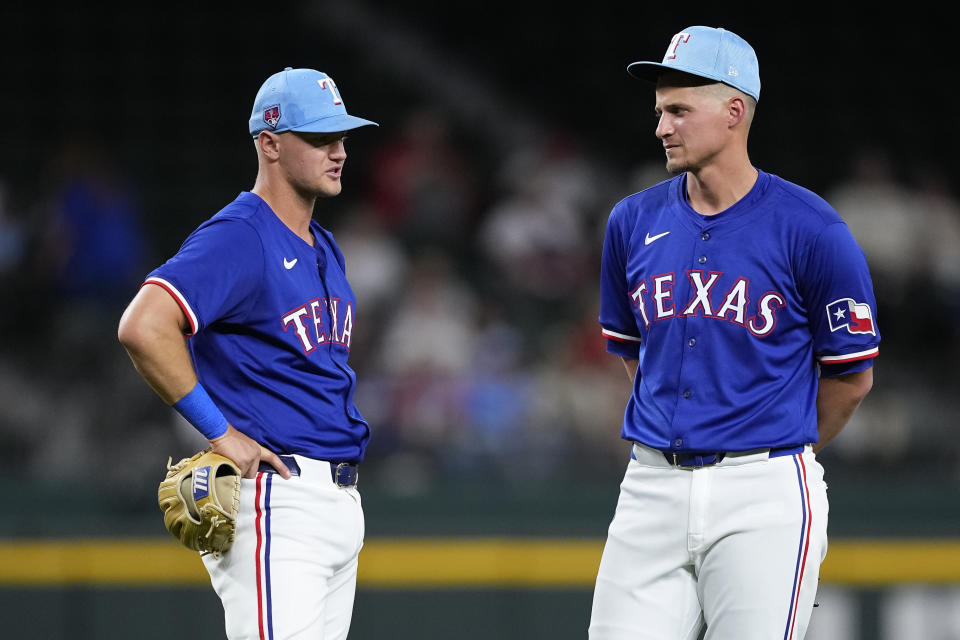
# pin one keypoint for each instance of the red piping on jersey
(873, 353)
(619, 338)
(180, 303)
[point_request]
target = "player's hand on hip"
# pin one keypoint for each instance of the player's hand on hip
(247, 453)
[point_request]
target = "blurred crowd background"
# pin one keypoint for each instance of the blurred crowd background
(472, 221)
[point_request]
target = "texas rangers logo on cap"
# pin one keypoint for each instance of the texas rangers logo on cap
(855, 316)
(271, 115)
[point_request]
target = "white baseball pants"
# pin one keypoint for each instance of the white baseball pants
(736, 546)
(291, 573)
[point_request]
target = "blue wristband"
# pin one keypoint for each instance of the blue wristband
(199, 410)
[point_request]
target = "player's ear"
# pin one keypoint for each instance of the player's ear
(736, 111)
(268, 144)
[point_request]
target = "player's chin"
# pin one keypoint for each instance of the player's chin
(676, 167)
(329, 187)
(678, 163)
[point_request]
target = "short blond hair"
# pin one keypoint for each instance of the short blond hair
(721, 91)
(725, 92)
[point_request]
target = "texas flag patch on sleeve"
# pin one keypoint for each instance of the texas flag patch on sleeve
(847, 313)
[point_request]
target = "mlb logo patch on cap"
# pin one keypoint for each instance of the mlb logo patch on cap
(271, 115)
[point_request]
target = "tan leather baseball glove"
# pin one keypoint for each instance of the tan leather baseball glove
(200, 498)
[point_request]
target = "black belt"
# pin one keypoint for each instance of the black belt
(706, 459)
(343, 474)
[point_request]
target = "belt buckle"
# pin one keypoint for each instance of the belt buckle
(679, 465)
(699, 460)
(347, 472)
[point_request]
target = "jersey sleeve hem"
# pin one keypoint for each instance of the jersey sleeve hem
(851, 357)
(180, 300)
(621, 344)
(619, 337)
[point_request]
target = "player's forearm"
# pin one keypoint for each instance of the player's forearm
(152, 334)
(837, 399)
(631, 366)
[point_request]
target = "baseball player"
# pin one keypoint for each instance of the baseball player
(246, 332)
(744, 313)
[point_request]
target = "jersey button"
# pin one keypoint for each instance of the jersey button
(705, 236)
(687, 393)
(702, 259)
(678, 443)
(692, 341)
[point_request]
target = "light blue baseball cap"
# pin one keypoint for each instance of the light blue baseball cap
(708, 52)
(301, 100)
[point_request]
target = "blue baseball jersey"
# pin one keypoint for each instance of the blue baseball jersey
(271, 322)
(733, 316)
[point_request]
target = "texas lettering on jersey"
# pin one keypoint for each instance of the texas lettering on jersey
(307, 323)
(654, 299)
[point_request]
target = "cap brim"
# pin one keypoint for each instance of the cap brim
(333, 124)
(649, 71)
